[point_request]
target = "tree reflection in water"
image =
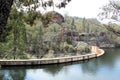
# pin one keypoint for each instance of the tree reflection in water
(12, 74)
(53, 70)
(92, 67)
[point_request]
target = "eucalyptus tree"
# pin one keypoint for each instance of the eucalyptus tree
(111, 11)
(22, 5)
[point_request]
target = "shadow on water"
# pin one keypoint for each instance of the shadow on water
(90, 66)
(19, 72)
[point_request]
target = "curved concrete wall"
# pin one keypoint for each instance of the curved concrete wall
(96, 52)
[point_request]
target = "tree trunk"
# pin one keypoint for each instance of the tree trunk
(5, 7)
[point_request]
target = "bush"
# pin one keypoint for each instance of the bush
(80, 48)
(70, 48)
(50, 54)
(87, 50)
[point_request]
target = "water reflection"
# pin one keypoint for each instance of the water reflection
(53, 70)
(106, 67)
(17, 74)
(107, 61)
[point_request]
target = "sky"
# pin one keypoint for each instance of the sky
(80, 8)
(83, 8)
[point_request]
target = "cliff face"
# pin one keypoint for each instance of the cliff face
(101, 40)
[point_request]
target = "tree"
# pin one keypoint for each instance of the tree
(73, 26)
(5, 7)
(111, 11)
(30, 5)
(84, 24)
(113, 28)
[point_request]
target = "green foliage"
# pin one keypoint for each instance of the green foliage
(50, 54)
(25, 41)
(27, 10)
(31, 16)
(51, 51)
(19, 39)
(68, 47)
(87, 50)
(113, 28)
(16, 42)
(80, 48)
(6, 48)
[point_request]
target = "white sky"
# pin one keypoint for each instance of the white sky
(83, 8)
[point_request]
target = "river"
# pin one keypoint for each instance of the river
(106, 67)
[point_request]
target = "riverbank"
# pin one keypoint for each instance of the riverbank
(95, 52)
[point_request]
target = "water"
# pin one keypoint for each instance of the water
(106, 67)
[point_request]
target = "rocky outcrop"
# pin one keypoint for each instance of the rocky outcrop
(102, 40)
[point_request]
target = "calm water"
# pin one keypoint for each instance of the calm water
(106, 67)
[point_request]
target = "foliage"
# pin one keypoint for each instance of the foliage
(111, 10)
(17, 39)
(41, 3)
(50, 54)
(68, 47)
(28, 42)
(113, 28)
(32, 36)
(20, 40)
(28, 7)
(81, 48)
(51, 51)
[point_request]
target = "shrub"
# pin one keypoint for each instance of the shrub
(50, 54)
(80, 48)
(83, 49)
(87, 49)
(70, 48)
